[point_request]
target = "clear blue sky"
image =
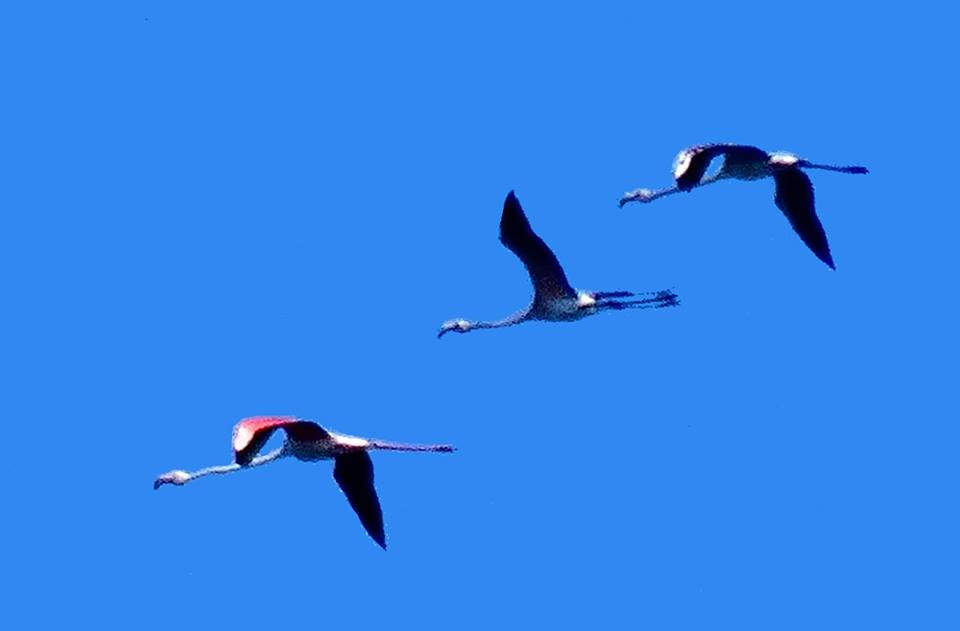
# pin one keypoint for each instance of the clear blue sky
(221, 211)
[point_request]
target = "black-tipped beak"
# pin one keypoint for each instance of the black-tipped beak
(157, 484)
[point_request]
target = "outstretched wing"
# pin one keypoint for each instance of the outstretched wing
(691, 164)
(794, 197)
(549, 281)
(353, 471)
(251, 434)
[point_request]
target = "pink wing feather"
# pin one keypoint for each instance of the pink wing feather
(251, 434)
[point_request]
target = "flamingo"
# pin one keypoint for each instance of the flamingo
(554, 300)
(307, 441)
(794, 191)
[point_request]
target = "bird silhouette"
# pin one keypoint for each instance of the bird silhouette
(307, 441)
(554, 300)
(794, 191)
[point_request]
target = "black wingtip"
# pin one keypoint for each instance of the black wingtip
(381, 541)
(824, 254)
(825, 257)
(512, 220)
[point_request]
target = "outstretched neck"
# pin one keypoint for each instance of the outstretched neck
(379, 444)
(280, 452)
(465, 326)
(510, 320)
(645, 195)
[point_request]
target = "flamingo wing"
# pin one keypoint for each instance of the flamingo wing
(251, 434)
(691, 164)
(353, 471)
(546, 274)
(794, 197)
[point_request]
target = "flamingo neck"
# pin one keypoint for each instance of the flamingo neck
(280, 452)
(645, 195)
(510, 320)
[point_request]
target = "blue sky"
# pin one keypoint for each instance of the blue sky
(222, 211)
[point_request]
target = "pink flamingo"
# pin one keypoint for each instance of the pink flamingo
(307, 441)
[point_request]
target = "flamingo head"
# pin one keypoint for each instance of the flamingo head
(176, 476)
(637, 195)
(459, 325)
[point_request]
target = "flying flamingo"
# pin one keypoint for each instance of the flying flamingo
(307, 441)
(554, 299)
(794, 191)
